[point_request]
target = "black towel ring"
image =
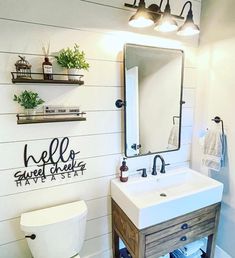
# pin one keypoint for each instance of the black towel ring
(218, 120)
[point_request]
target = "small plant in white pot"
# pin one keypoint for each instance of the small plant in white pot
(29, 100)
(74, 60)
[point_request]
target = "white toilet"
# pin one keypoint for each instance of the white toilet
(56, 232)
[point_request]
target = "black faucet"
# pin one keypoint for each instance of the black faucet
(154, 171)
(144, 173)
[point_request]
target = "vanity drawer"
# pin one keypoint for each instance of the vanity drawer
(198, 215)
(182, 227)
(125, 228)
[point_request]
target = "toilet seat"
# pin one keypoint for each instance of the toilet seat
(76, 256)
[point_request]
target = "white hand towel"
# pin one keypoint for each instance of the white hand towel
(214, 149)
(173, 137)
(191, 248)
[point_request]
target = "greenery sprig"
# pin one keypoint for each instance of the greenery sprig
(28, 99)
(72, 58)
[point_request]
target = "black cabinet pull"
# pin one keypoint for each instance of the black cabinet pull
(184, 238)
(184, 226)
(33, 236)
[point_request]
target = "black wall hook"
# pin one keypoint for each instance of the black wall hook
(120, 103)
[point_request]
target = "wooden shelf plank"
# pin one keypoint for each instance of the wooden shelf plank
(49, 120)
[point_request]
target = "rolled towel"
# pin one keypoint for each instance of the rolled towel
(191, 248)
(165, 256)
(197, 254)
(178, 254)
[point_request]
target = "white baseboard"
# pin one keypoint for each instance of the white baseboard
(220, 253)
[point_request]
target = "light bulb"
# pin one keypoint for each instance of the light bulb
(188, 29)
(166, 27)
(166, 24)
(141, 22)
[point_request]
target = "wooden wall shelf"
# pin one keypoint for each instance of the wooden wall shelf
(40, 80)
(49, 118)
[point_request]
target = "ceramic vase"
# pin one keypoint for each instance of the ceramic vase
(30, 112)
(73, 74)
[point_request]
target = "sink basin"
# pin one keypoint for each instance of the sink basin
(155, 199)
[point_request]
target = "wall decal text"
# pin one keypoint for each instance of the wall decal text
(56, 163)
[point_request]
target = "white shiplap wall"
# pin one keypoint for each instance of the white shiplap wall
(101, 32)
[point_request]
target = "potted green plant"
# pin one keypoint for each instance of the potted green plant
(74, 60)
(29, 100)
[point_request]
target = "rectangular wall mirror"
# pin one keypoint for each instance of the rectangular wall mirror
(153, 98)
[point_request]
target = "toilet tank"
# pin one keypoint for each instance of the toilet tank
(59, 230)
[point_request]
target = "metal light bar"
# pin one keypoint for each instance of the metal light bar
(134, 6)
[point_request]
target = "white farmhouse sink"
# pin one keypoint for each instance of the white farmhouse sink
(151, 200)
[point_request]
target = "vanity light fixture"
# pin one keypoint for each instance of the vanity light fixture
(142, 18)
(164, 21)
(189, 27)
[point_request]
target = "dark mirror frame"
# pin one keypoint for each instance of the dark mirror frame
(181, 102)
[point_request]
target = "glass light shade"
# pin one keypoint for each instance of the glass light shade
(141, 19)
(188, 29)
(166, 24)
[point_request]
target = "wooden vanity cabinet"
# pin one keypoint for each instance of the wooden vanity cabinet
(160, 239)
